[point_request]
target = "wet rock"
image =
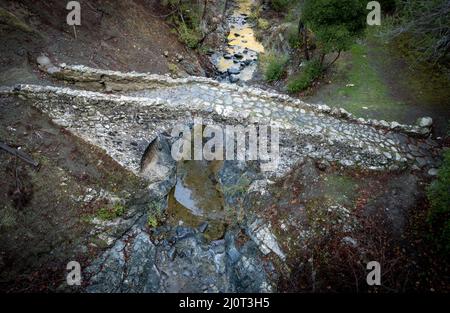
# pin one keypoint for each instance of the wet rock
(172, 253)
(183, 232)
(202, 227)
(234, 70)
(234, 78)
(158, 167)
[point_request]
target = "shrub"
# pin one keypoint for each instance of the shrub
(294, 40)
(263, 24)
(274, 67)
(280, 5)
(439, 215)
(155, 213)
(116, 211)
(425, 25)
(304, 79)
(388, 6)
(189, 36)
(335, 23)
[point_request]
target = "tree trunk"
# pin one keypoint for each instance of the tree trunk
(303, 33)
(335, 59)
(322, 58)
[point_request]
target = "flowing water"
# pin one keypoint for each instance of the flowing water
(239, 60)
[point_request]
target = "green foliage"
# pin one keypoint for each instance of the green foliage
(388, 6)
(311, 71)
(152, 221)
(186, 21)
(335, 23)
(295, 41)
(439, 196)
(155, 214)
(189, 36)
(111, 213)
(280, 5)
(426, 27)
(263, 23)
(274, 66)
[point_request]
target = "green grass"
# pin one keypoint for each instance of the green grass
(357, 85)
(155, 214)
(107, 213)
(310, 72)
(273, 66)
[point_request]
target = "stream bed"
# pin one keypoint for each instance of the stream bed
(238, 61)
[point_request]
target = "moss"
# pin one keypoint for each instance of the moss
(110, 213)
(240, 187)
(189, 36)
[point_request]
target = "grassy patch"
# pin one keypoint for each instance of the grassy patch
(155, 214)
(273, 66)
(311, 71)
(359, 88)
(111, 213)
(263, 24)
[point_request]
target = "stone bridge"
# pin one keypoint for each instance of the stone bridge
(123, 112)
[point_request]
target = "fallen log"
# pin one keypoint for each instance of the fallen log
(20, 154)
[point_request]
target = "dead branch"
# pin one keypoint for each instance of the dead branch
(20, 154)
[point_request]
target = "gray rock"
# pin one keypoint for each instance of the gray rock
(234, 70)
(234, 78)
(172, 253)
(426, 122)
(202, 227)
(433, 172)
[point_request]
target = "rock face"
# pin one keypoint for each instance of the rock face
(186, 264)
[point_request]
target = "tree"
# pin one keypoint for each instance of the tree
(335, 24)
(426, 25)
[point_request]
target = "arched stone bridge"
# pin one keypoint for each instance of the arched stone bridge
(123, 112)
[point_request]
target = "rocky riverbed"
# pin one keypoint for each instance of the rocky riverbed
(238, 61)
